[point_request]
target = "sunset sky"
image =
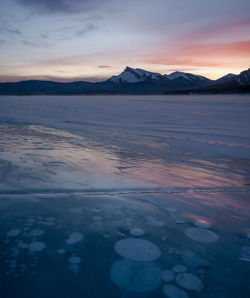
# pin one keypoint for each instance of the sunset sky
(91, 40)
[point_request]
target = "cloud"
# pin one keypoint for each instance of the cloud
(224, 45)
(63, 6)
(206, 55)
(104, 66)
(84, 31)
(14, 31)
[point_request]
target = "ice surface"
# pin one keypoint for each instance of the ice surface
(13, 233)
(167, 275)
(193, 260)
(136, 276)
(102, 166)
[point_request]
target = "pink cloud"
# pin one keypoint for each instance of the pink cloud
(216, 46)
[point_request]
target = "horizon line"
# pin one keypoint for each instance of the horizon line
(18, 79)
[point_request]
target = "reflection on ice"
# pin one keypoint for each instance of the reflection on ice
(131, 206)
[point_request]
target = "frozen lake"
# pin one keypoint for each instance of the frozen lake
(125, 196)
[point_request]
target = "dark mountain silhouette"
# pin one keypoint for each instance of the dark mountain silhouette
(134, 81)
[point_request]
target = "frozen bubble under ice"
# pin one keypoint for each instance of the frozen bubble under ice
(189, 281)
(74, 237)
(201, 235)
(172, 291)
(37, 246)
(36, 232)
(202, 224)
(74, 260)
(137, 249)
(13, 233)
(61, 251)
(136, 232)
(179, 268)
(167, 275)
(136, 276)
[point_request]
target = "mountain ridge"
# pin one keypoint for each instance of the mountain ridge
(133, 81)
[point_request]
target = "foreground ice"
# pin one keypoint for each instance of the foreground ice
(124, 197)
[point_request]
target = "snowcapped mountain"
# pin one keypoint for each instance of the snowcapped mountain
(134, 75)
(184, 75)
(244, 78)
(229, 83)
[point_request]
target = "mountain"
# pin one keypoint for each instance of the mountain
(230, 83)
(184, 75)
(135, 75)
(244, 78)
(134, 81)
(140, 81)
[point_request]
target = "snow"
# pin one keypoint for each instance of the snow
(137, 250)
(187, 76)
(134, 75)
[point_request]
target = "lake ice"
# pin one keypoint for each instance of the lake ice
(125, 196)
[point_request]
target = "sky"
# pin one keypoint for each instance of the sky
(91, 40)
